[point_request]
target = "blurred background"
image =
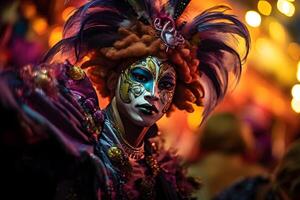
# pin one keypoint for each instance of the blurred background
(266, 103)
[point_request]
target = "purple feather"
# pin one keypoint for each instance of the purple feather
(95, 25)
(213, 29)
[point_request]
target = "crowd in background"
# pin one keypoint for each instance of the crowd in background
(235, 155)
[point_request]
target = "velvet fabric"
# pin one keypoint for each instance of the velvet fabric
(55, 141)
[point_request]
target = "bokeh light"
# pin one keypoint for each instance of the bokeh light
(253, 18)
(295, 103)
(264, 7)
(294, 50)
(40, 25)
(29, 11)
(55, 36)
(277, 32)
(286, 7)
(298, 71)
(268, 81)
(296, 91)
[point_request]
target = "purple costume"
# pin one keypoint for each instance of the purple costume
(54, 147)
(56, 143)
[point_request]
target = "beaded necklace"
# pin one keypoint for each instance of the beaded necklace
(136, 153)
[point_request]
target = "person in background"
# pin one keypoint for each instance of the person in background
(283, 184)
(223, 152)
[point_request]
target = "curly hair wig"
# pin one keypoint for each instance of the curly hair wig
(116, 33)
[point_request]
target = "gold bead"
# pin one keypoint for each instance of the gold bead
(114, 153)
(76, 73)
(41, 78)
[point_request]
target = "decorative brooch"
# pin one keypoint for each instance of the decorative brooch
(168, 33)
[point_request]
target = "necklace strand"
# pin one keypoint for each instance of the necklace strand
(136, 153)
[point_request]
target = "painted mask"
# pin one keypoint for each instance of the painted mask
(145, 90)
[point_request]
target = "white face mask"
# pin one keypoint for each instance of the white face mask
(145, 91)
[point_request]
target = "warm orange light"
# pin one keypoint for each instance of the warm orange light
(296, 91)
(277, 32)
(195, 118)
(294, 50)
(267, 50)
(55, 36)
(274, 60)
(298, 71)
(68, 12)
(253, 18)
(85, 58)
(286, 7)
(40, 25)
(29, 11)
(295, 105)
(264, 7)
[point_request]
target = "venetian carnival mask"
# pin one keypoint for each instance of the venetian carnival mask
(145, 90)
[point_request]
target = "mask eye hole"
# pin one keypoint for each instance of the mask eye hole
(166, 83)
(140, 75)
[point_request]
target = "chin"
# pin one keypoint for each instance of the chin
(142, 122)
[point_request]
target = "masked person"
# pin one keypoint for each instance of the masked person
(147, 59)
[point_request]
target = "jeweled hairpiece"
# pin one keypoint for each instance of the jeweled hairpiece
(168, 33)
(203, 42)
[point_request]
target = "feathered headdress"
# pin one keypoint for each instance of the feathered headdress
(209, 36)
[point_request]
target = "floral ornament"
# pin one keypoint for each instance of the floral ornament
(168, 32)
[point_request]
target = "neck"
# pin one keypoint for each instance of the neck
(132, 133)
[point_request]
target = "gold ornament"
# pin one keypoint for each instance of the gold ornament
(115, 153)
(42, 78)
(124, 87)
(76, 73)
(153, 163)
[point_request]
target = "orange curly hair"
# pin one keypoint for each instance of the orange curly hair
(139, 41)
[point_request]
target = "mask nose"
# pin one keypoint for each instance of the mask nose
(152, 95)
(151, 92)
